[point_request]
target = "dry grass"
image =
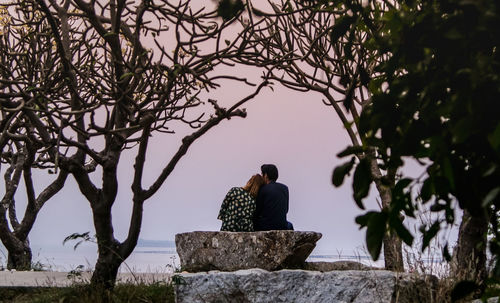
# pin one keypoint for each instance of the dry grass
(83, 293)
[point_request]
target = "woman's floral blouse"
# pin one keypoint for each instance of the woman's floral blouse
(237, 211)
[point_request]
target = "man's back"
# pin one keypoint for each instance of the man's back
(272, 207)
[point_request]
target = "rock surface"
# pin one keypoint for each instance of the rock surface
(337, 265)
(230, 251)
(301, 286)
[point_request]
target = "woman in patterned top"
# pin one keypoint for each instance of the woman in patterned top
(238, 207)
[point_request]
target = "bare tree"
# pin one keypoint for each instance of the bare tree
(312, 48)
(21, 158)
(130, 72)
(27, 59)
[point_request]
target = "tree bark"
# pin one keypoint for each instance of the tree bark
(111, 252)
(469, 256)
(393, 253)
(19, 255)
(18, 250)
(109, 258)
(393, 246)
(106, 269)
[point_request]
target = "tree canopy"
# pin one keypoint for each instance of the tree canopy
(111, 76)
(26, 73)
(435, 100)
(310, 48)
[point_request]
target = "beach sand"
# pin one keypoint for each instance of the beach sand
(62, 279)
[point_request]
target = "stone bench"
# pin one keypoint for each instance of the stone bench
(303, 286)
(268, 267)
(230, 251)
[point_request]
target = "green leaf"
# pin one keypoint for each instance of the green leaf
(348, 98)
(178, 280)
(108, 34)
(364, 77)
(492, 195)
(228, 9)
(84, 237)
(402, 184)
(362, 220)
(453, 34)
(375, 85)
(494, 138)
(430, 233)
(403, 233)
(351, 150)
(348, 47)
(490, 171)
(462, 131)
(376, 227)
(438, 207)
(448, 172)
(427, 190)
(361, 182)
(126, 75)
(341, 27)
(375, 233)
(341, 171)
(401, 198)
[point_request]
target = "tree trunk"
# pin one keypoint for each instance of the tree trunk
(19, 251)
(393, 253)
(19, 256)
(106, 270)
(109, 258)
(469, 256)
(393, 247)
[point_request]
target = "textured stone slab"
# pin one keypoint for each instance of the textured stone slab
(337, 265)
(230, 251)
(301, 286)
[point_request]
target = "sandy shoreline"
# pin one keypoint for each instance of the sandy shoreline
(62, 279)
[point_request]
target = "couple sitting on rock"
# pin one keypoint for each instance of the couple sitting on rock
(262, 204)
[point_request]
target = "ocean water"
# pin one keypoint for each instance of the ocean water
(144, 258)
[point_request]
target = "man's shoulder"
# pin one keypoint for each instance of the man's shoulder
(274, 185)
(281, 184)
(278, 184)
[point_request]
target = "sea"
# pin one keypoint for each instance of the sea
(149, 256)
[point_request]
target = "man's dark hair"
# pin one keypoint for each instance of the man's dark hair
(270, 170)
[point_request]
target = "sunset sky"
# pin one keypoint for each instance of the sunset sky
(293, 130)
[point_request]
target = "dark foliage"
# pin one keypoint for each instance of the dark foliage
(436, 100)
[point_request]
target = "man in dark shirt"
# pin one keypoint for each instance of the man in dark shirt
(272, 202)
